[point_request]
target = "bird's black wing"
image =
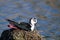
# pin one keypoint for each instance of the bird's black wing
(25, 25)
(12, 22)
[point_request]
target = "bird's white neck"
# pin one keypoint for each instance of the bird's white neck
(32, 27)
(32, 23)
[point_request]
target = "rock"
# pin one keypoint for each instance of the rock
(25, 35)
(20, 35)
(6, 35)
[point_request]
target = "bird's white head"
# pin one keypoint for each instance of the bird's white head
(33, 21)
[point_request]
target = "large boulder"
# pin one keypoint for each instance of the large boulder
(20, 35)
(25, 35)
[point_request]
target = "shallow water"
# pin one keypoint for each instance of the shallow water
(22, 10)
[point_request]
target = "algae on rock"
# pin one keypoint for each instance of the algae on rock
(25, 35)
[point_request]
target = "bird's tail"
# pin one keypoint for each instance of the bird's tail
(9, 20)
(12, 22)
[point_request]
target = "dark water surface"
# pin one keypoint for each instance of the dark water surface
(46, 11)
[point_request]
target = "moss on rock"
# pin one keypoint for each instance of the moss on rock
(25, 35)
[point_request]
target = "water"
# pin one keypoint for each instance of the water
(22, 10)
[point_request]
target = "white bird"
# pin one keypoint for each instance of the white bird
(23, 25)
